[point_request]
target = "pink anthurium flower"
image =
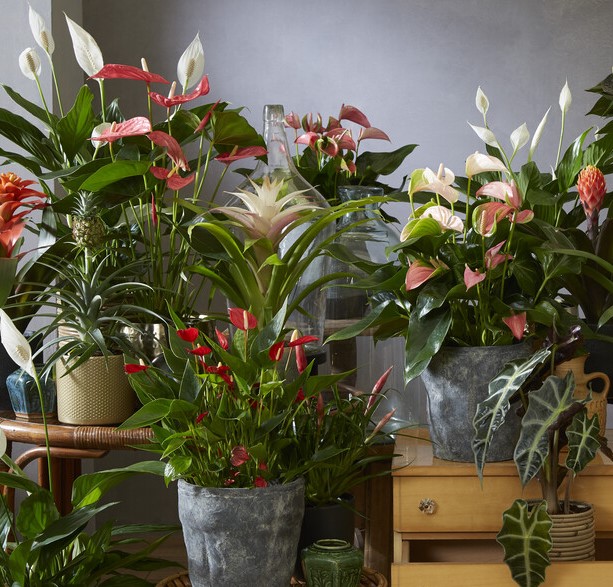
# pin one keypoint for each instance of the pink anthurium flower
(133, 127)
(292, 120)
(242, 319)
(328, 146)
(501, 190)
(173, 148)
(472, 278)
(173, 180)
(348, 166)
(118, 71)
(493, 257)
(308, 138)
(372, 133)
(486, 216)
(480, 163)
(342, 137)
(239, 456)
(517, 324)
(333, 123)
(353, 114)
(241, 153)
(201, 90)
(206, 117)
(419, 272)
(312, 126)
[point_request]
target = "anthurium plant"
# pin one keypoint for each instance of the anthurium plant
(235, 410)
(126, 185)
(552, 419)
(331, 157)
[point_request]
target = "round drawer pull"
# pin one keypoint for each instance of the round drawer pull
(427, 506)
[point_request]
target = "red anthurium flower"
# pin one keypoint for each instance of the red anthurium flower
(200, 351)
(163, 139)
(343, 138)
(201, 90)
(222, 339)
(260, 482)
(217, 369)
(516, 324)
(292, 120)
(188, 334)
(493, 257)
(328, 145)
(206, 117)
(262, 466)
(276, 351)
(117, 71)
(309, 138)
(173, 180)
(354, 115)
(240, 153)
(131, 368)
(301, 360)
(242, 319)
(201, 417)
(239, 456)
(372, 133)
(471, 277)
(302, 340)
(137, 126)
(333, 123)
(299, 396)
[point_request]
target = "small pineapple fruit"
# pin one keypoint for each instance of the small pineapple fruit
(88, 229)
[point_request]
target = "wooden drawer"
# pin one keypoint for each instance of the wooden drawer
(463, 505)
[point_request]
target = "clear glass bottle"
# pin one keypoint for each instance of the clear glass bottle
(280, 167)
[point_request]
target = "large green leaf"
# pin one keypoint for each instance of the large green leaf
(113, 172)
(491, 413)
(549, 407)
(525, 537)
(30, 107)
(231, 129)
(583, 441)
(378, 163)
(76, 127)
(571, 163)
(36, 513)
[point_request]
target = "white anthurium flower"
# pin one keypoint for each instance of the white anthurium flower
(42, 35)
(538, 133)
(482, 102)
(15, 344)
(565, 98)
(267, 215)
(3, 443)
(519, 137)
(444, 217)
(86, 50)
(425, 180)
(485, 134)
(29, 63)
(480, 163)
(98, 130)
(191, 64)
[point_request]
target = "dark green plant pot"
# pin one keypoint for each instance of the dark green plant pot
(25, 399)
(333, 563)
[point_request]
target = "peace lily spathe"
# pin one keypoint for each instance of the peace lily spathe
(482, 102)
(42, 35)
(565, 98)
(537, 135)
(29, 63)
(191, 64)
(519, 137)
(86, 50)
(16, 345)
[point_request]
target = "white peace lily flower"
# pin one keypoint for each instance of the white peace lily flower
(42, 35)
(444, 217)
(538, 133)
(86, 50)
(191, 64)
(485, 134)
(29, 63)
(482, 102)
(16, 345)
(519, 137)
(480, 163)
(565, 98)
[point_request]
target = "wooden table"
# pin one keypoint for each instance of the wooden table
(68, 445)
(445, 522)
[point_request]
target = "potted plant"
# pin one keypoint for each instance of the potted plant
(553, 419)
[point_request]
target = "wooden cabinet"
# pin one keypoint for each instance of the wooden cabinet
(445, 522)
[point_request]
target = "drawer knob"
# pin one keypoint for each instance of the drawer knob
(427, 506)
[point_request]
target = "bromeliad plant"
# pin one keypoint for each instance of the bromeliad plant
(235, 412)
(127, 186)
(330, 157)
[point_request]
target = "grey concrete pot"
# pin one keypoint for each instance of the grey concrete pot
(456, 381)
(241, 537)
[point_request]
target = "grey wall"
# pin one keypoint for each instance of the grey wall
(412, 66)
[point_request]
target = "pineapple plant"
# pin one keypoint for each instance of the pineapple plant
(88, 228)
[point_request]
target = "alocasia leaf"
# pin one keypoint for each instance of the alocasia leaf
(583, 441)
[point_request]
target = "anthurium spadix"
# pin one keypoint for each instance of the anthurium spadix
(191, 64)
(29, 63)
(42, 35)
(86, 50)
(16, 345)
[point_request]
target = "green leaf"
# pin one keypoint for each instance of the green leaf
(230, 129)
(30, 107)
(583, 442)
(36, 512)
(379, 163)
(525, 537)
(114, 172)
(149, 414)
(76, 127)
(491, 412)
(571, 163)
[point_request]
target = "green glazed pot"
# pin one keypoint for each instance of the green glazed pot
(332, 563)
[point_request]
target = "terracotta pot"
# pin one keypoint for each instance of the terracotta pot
(96, 392)
(598, 404)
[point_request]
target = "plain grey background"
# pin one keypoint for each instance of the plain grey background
(412, 66)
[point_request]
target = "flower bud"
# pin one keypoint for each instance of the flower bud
(592, 188)
(565, 98)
